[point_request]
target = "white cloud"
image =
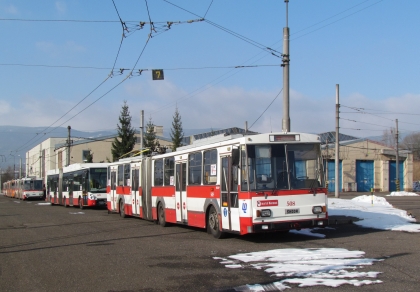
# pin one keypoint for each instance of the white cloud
(61, 6)
(11, 9)
(4, 107)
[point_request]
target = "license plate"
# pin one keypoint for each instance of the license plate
(292, 211)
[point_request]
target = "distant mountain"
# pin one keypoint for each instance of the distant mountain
(18, 140)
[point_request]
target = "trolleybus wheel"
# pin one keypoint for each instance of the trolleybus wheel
(80, 203)
(161, 216)
(213, 223)
(122, 213)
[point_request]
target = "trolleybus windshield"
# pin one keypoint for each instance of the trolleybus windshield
(283, 166)
(32, 185)
(97, 180)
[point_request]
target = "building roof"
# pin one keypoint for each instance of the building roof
(330, 137)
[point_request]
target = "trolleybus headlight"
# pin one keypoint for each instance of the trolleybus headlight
(266, 213)
(317, 209)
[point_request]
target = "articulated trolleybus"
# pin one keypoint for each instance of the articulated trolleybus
(226, 184)
(79, 184)
(24, 188)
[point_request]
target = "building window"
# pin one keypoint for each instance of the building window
(85, 155)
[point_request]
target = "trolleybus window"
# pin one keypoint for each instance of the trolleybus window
(210, 167)
(37, 185)
(169, 171)
(127, 175)
(120, 175)
(158, 172)
(194, 168)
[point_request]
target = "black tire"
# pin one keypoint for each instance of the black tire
(161, 216)
(81, 203)
(122, 213)
(213, 223)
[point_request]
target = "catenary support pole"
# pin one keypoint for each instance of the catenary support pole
(285, 65)
(68, 148)
(397, 167)
(337, 140)
(141, 131)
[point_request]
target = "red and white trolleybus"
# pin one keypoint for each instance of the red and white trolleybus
(237, 184)
(79, 184)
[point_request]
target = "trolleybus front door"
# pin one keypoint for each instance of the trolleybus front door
(135, 190)
(229, 195)
(180, 191)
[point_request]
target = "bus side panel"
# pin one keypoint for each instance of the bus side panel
(167, 195)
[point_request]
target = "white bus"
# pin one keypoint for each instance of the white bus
(80, 184)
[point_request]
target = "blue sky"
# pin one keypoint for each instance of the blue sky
(368, 47)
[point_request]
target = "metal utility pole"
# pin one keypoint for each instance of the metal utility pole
(141, 132)
(68, 146)
(397, 168)
(337, 140)
(326, 165)
(285, 65)
(20, 168)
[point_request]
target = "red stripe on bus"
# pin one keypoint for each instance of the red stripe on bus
(197, 219)
(203, 192)
(168, 191)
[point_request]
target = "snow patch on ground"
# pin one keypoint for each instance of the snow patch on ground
(331, 267)
(374, 212)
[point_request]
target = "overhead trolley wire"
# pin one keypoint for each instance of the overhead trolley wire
(109, 75)
(336, 20)
(248, 40)
(266, 108)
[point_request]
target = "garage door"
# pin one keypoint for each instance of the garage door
(393, 175)
(331, 176)
(364, 175)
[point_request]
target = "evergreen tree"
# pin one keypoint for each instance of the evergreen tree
(177, 133)
(126, 139)
(150, 140)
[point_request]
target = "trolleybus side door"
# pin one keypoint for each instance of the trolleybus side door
(112, 189)
(135, 189)
(229, 194)
(180, 191)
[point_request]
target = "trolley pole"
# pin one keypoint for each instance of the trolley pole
(285, 65)
(397, 167)
(337, 140)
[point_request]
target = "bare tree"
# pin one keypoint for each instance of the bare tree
(412, 142)
(388, 137)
